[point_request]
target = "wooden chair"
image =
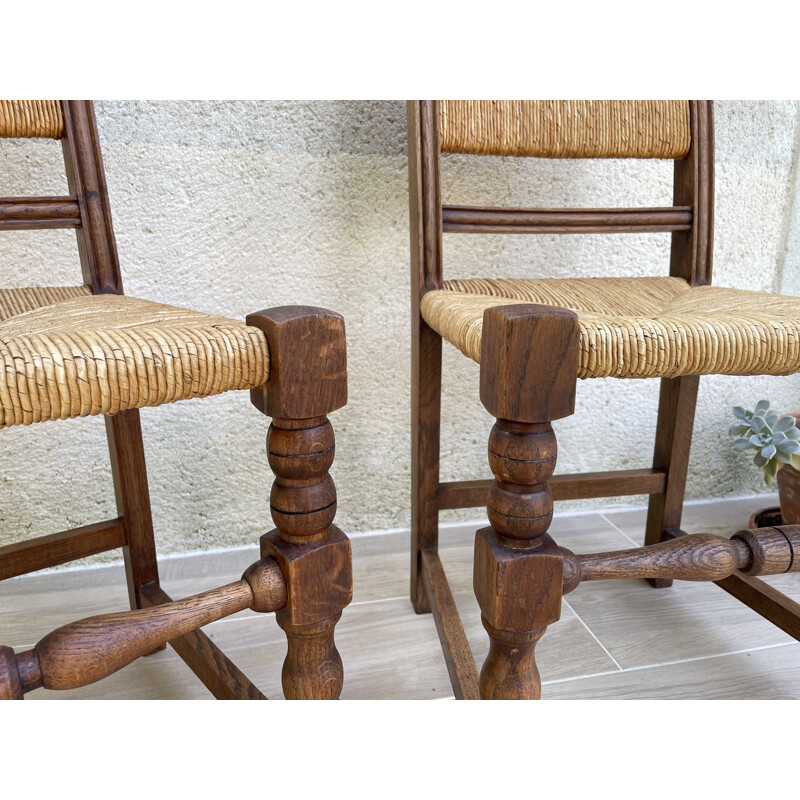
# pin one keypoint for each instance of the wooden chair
(76, 351)
(535, 338)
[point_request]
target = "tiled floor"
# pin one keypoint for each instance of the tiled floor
(615, 640)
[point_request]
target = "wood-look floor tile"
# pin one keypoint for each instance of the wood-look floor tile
(640, 625)
(771, 674)
(32, 606)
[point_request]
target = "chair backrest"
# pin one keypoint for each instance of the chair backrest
(86, 209)
(677, 130)
(566, 128)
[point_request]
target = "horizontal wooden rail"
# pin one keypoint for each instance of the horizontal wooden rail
(91, 649)
(472, 494)
(695, 557)
(780, 610)
(457, 652)
(30, 213)
(702, 557)
(468, 219)
(58, 548)
(215, 670)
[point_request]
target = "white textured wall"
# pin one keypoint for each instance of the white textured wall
(229, 207)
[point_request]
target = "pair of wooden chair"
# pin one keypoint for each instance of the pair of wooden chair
(90, 350)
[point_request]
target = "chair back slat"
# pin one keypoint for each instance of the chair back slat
(37, 213)
(31, 119)
(567, 128)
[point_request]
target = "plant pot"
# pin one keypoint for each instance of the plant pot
(789, 488)
(766, 518)
(789, 494)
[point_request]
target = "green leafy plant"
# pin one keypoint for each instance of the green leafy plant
(775, 439)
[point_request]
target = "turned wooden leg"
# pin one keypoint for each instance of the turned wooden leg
(313, 666)
(313, 553)
(510, 671)
(528, 373)
(307, 380)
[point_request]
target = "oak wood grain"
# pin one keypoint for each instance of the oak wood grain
(529, 362)
(216, 671)
(307, 336)
(766, 600)
(58, 548)
(691, 254)
(390, 652)
(529, 366)
(10, 684)
(314, 555)
(90, 649)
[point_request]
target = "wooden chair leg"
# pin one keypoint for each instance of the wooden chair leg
(676, 406)
(529, 365)
(426, 382)
(307, 380)
(124, 432)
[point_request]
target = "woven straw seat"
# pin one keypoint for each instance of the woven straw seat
(639, 327)
(67, 353)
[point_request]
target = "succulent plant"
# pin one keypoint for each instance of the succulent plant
(775, 439)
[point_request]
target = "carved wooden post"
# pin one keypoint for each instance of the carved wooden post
(529, 365)
(308, 380)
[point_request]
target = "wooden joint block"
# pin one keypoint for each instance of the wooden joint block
(308, 362)
(517, 589)
(529, 362)
(318, 575)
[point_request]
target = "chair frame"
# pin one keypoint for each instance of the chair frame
(315, 576)
(520, 547)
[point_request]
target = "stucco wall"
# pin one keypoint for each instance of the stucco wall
(228, 207)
